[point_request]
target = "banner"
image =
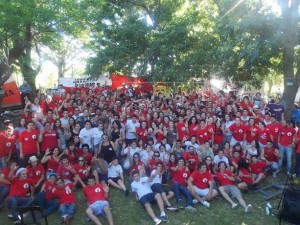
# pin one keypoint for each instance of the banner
(117, 81)
(163, 88)
(12, 95)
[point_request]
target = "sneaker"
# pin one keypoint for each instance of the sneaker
(126, 193)
(180, 205)
(164, 218)
(195, 201)
(205, 203)
(234, 205)
(157, 221)
(190, 209)
(248, 208)
(17, 222)
(288, 174)
(274, 174)
(267, 210)
(171, 208)
(269, 205)
(68, 220)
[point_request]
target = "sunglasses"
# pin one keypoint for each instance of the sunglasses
(156, 156)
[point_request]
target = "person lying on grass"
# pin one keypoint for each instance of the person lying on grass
(227, 186)
(143, 193)
(96, 195)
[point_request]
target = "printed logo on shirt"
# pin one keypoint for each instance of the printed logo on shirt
(33, 136)
(97, 190)
(204, 180)
(68, 190)
(26, 185)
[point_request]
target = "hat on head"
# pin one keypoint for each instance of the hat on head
(52, 174)
(33, 159)
(20, 170)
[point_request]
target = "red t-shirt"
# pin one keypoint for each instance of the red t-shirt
(211, 129)
(95, 193)
(52, 165)
(29, 142)
(64, 173)
(257, 168)
(142, 134)
(35, 173)
(193, 130)
(187, 156)
(287, 136)
(202, 135)
(65, 194)
(223, 180)
(263, 136)
(152, 164)
(274, 130)
(238, 132)
(181, 176)
(20, 188)
(181, 129)
(270, 154)
(251, 130)
(201, 179)
(49, 190)
(50, 140)
(5, 172)
(7, 144)
(81, 170)
(136, 167)
(247, 180)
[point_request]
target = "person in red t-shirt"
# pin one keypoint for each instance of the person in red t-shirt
(200, 184)
(192, 157)
(271, 156)
(29, 144)
(65, 169)
(181, 127)
(36, 172)
(257, 169)
(180, 175)
(274, 128)
(7, 146)
(48, 138)
(227, 185)
(82, 169)
(46, 197)
(287, 138)
(245, 176)
(19, 191)
(238, 132)
(64, 193)
(5, 183)
(96, 195)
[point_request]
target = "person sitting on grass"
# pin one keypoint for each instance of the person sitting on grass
(141, 187)
(45, 198)
(227, 186)
(244, 175)
(200, 184)
(257, 168)
(115, 176)
(65, 169)
(96, 195)
(137, 165)
(65, 194)
(180, 176)
(156, 186)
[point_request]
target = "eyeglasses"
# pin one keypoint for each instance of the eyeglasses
(156, 156)
(80, 160)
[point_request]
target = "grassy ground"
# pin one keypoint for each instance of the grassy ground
(127, 211)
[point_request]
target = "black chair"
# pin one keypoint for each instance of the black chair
(32, 215)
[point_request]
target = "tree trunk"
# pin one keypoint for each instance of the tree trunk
(289, 41)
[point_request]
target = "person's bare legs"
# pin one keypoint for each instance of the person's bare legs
(110, 182)
(226, 196)
(108, 215)
(150, 211)
(241, 201)
(259, 178)
(122, 185)
(243, 186)
(89, 213)
(160, 203)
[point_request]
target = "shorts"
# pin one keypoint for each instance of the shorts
(158, 188)
(148, 198)
(98, 207)
(102, 177)
(232, 190)
(201, 192)
(114, 179)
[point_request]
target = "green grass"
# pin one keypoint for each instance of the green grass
(127, 211)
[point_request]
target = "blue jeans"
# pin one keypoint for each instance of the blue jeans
(67, 209)
(179, 189)
(14, 202)
(288, 151)
(49, 206)
(3, 193)
(273, 166)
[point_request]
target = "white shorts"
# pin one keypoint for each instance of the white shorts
(98, 207)
(201, 192)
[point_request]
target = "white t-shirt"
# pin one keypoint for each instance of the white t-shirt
(114, 171)
(189, 143)
(130, 126)
(217, 159)
(142, 187)
(86, 135)
(145, 157)
(168, 147)
(157, 179)
(132, 151)
(97, 135)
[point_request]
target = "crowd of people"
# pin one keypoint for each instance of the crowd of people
(200, 145)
